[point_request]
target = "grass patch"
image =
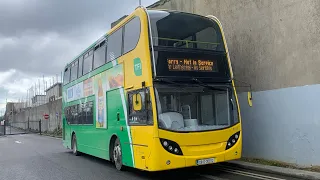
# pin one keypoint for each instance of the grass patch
(281, 164)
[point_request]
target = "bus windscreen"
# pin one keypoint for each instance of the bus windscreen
(183, 50)
(184, 30)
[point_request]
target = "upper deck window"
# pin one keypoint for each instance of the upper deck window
(74, 70)
(80, 66)
(114, 45)
(87, 62)
(99, 55)
(131, 35)
(66, 77)
(184, 30)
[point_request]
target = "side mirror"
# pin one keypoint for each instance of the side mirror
(137, 102)
(250, 98)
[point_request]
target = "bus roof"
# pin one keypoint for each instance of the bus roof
(119, 24)
(116, 27)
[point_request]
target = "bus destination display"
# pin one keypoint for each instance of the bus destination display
(192, 65)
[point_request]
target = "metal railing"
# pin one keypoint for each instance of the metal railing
(12, 128)
(187, 42)
(2, 130)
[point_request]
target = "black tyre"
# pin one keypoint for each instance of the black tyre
(74, 146)
(117, 155)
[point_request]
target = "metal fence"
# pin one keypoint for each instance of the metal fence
(2, 129)
(25, 127)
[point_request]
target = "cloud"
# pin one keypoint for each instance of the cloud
(4, 76)
(39, 37)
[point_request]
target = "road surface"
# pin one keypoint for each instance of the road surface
(35, 157)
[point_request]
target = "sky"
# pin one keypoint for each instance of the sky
(38, 38)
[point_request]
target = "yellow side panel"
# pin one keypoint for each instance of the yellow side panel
(142, 136)
(143, 140)
(132, 79)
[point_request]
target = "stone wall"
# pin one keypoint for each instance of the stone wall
(275, 46)
(35, 114)
(273, 43)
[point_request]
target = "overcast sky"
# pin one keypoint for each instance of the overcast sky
(38, 37)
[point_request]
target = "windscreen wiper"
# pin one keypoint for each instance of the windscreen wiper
(214, 88)
(206, 85)
(167, 81)
(179, 85)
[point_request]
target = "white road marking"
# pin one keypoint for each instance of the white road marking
(18, 142)
(249, 174)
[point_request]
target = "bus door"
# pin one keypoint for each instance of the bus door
(140, 120)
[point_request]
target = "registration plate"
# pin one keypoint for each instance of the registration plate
(205, 161)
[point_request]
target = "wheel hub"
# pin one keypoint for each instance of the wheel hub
(117, 153)
(74, 148)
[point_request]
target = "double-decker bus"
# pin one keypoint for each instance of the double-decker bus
(154, 93)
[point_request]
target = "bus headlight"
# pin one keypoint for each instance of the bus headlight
(233, 140)
(171, 146)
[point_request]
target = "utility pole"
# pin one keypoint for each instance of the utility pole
(139, 2)
(44, 87)
(12, 111)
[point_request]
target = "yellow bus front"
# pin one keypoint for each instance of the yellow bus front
(194, 110)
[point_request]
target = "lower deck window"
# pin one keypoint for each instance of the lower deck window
(80, 113)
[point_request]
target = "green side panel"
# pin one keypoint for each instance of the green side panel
(104, 87)
(118, 124)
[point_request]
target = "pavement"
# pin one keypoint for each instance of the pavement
(35, 157)
(276, 170)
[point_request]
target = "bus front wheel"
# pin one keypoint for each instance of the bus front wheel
(74, 145)
(117, 155)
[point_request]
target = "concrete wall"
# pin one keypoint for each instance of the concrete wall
(283, 125)
(272, 43)
(38, 100)
(54, 91)
(36, 113)
(275, 46)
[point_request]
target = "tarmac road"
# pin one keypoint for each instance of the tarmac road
(35, 157)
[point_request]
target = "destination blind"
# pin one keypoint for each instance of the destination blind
(199, 65)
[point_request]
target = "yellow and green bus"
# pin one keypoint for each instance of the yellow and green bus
(154, 93)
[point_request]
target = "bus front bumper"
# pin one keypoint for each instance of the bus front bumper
(162, 160)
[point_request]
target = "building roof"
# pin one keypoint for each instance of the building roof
(51, 87)
(158, 3)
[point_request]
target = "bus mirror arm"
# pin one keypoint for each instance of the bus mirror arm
(249, 95)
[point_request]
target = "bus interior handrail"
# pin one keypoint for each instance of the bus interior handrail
(187, 41)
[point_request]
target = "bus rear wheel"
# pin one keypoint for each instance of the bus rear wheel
(117, 155)
(74, 146)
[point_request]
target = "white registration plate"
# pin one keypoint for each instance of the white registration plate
(205, 161)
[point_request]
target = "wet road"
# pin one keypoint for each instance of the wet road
(34, 157)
